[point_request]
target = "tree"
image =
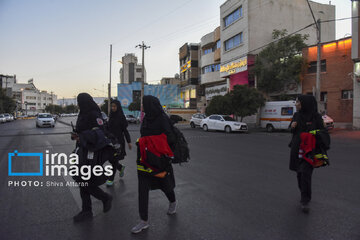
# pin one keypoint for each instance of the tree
(134, 106)
(280, 62)
(71, 108)
(220, 105)
(7, 104)
(245, 101)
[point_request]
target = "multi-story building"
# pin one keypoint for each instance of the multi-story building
(336, 84)
(7, 82)
(31, 100)
(190, 91)
(247, 26)
(171, 80)
(210, 67)
(355, 55)
(131, 70)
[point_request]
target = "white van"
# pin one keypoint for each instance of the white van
(277, 115)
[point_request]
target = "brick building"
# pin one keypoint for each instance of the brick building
(336, 78)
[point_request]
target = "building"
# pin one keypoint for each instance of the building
(211, 80)
(131, 70)
(247, 25)
(169, 95)
(190, 91)
(356, 58)
(73, 101)
(171, 80)
(7, 82)
(31, 100)
(336, 84)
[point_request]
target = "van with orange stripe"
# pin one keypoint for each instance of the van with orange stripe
(277, 115)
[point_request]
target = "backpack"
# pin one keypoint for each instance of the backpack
(180, 148)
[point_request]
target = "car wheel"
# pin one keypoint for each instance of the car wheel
(37, 125)
(270, 128)
(192, 124)
(205, 127)
(228, 129)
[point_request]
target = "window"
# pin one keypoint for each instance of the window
(208, 50)
(232, 17)
(139, 70)
(211, 68)
(347, 94)
(217, 45)
(323, 96)
(313, 66)
(214, 117)
(234, 42)
(287, 111)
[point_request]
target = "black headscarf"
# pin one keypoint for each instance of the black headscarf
(308, 107)
(152, 107)
(86, 103)
(117, 118)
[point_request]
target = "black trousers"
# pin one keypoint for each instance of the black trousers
(144, 188)
(304, 175)
(115, 165)
(86, 192)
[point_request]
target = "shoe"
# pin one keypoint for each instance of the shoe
(122, 171)
(140, 226)
(305, 208)
(107, 204)
(83, 215)
(109, 183)
(172, 208)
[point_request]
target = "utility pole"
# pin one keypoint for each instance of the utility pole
(143, 47)
(109, 86)
(318, 64)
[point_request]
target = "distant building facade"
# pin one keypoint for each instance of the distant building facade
(131, 70)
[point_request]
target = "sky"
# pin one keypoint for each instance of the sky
(64, 45)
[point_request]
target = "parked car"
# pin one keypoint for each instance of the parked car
(8, 117)
(131, 119)
(45, 120)
(328, 121)
(176, 118)
(196, 119)
(2, 118)
(223, 123)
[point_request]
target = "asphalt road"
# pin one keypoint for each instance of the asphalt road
(237, 186)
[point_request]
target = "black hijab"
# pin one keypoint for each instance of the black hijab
(308, 107)
(117, 118)
(152, 107)
(86, 103)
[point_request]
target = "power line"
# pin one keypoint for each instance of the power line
(339, 19)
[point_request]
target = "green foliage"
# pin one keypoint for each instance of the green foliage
(219, 105)
(57, 109)
(134, 106)
(7, 104)
(245, 101)
(280, 62)
(242, 101)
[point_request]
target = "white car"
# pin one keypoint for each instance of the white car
(196, 119)
(2, 118)
(45, 120)
(8, 117)
(328, 121)
(222, 123)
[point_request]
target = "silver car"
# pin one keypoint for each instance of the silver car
(2, 118)
(45, 120)
(8, 117)
(196, 119)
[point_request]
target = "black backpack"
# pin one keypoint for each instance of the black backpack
(180, 148)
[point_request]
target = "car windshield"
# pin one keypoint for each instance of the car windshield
(45, 116)
(227, 118)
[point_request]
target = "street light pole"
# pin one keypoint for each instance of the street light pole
(318, 64)
(143, 47)
(109, 86)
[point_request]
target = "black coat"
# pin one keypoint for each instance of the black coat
(85, 123)
(118, 128)
(302, 126)
(157, 122)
